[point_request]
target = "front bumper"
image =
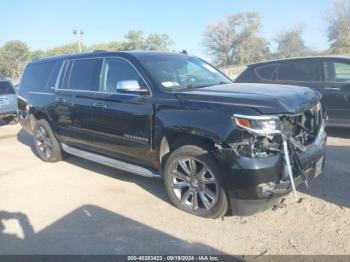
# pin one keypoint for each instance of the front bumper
(256, 184)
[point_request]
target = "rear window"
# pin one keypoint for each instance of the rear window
(300, 71)
(6, 88)
(36, 76)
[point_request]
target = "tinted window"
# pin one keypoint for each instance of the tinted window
(6, 88)
(53, 76)
(115, 70)
(267, 72)
(85, 74)
(300, 71)
(337, 72)
(36, 76)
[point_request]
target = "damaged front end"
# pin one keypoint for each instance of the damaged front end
(298, 138)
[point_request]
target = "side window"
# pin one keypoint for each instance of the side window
(6, 88)
(51, 82)
(266, 72)
(84, 75)
(36, 76)
(64, 77)
(115, 70)
(300, 71)
(337, 72)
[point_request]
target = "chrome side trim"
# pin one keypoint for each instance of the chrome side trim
(118, 164)
(41, 93)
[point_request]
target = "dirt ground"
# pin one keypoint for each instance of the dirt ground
(79, 207)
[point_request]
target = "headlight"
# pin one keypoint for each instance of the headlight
(260, 125)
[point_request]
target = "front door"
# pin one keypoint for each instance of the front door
(123, 121)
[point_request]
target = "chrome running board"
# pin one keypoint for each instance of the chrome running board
(118, 164)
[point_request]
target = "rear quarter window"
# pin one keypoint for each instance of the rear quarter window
(37, 75)
(6, 88)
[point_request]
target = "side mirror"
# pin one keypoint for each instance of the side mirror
(131, 86)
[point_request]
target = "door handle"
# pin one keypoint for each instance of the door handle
(61, 100)
(99, 105)
(332, 88)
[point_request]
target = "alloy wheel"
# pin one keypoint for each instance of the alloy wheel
(43, 142)
(194, 185)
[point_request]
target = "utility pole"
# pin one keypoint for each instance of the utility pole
(79, 36)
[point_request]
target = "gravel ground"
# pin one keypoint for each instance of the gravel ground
(78, 207)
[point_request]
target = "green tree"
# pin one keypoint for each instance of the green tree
(112, 46)
(253, 50)
(70, 48)
(37, 54)
(339, 27)
(13, 57)
(136, 40)
(235, 40)
(291, 43)
(159, 42)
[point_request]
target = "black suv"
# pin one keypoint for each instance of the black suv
(330, 75)
(218, 146)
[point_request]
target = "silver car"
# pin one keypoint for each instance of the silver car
(8, 102)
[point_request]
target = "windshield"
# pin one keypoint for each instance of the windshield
(175, 72)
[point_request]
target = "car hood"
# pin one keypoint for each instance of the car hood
(265, 98)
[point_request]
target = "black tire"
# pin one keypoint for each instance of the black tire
(11, 120)
(195, 203)
(45, 142)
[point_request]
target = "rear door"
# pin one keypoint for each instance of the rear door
(302, 72)
(336, 92)
(123, 121)
(75, 96)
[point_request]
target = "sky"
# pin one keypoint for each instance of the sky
(44, 24)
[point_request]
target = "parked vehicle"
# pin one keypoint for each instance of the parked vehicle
(217, 145)
(8, 102)
(330, 75)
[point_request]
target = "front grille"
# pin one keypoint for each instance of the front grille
(304, 127)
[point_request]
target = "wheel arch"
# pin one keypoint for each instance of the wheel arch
(36, 115)
(175, 139)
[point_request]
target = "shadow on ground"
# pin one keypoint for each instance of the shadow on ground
(152, 185)
(332, 186)
(338, 132)
(93, 230)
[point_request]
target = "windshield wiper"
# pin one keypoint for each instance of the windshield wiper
(201, 86)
